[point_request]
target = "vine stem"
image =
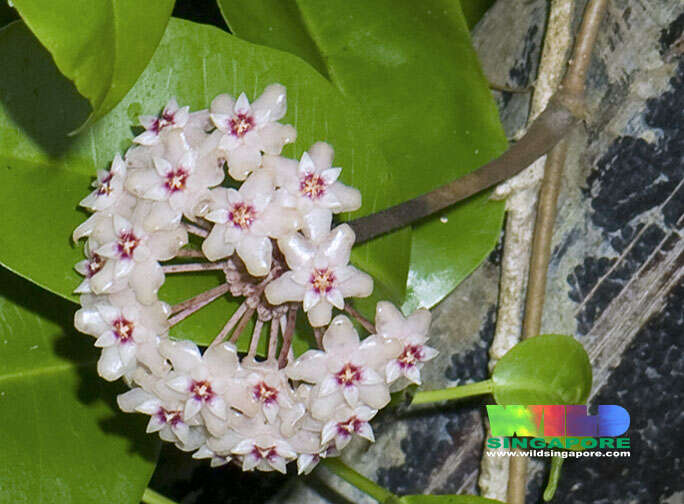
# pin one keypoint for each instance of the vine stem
(554, 476)
(451, 393)
(520, 193)
(339, 468)
(152, 497)
(573, 86)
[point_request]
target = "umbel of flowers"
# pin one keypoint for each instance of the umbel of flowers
(271, 237)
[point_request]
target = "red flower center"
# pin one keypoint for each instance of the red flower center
(176, 179)
(313, 186)
(240, 124)
(123, 330)
(95, 264)
(268, 453)
(104, 187)
(348, 375)
(242, 215)
(322, 280)
(264, 393)
(410, 355)
(348, 427)
(128, 242)
(201, 390)
(169, 417)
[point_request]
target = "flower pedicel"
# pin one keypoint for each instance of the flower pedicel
(273, 240)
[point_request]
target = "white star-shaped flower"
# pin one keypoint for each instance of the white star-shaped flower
(320, 275)
(345, 371)
(313, 187)
(248, 130)
(412, 332)
(201, 380)
(125, 330)
(109, 189)
(245, 220)
(172, 117)
(347, 422)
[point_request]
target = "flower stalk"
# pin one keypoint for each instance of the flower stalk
(451, 393)
(339, 468)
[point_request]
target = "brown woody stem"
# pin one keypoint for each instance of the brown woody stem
(545, 132)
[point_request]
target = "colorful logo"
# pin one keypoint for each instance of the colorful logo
(557, 421)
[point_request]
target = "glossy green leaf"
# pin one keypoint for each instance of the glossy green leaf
(411, 67)
(43, 174)
(102, 46)
(548, 369)
(63, 439)
(473, 10)
(446, 499)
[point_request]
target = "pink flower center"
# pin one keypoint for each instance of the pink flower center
(176, 179)
(240, 124)
(166, 119)
(123, 330)
(348, 427)
(242, 215)
(349, 375)
(313, 186)
(128, 242)
(104, 187)
(169, 417)
(410, 356)
(265, 394)
(322, 280)
(95, 264)
(268, 453)
(201, 390)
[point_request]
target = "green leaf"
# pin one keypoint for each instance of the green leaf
(43, 175)
(473, 10)
(7, 14)
(412, 68)
(548, 369)
(446, 499)
(102, 46)
(63, 438)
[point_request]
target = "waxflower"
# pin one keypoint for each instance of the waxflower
(272, 235)
(125, 330)
(345, 370)
(171, 117)
(245, 220)
(109, 189)
(412, 332)
(250, 130)
(320, 275)
(313, 187)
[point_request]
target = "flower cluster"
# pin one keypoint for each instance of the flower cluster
(273, 239)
